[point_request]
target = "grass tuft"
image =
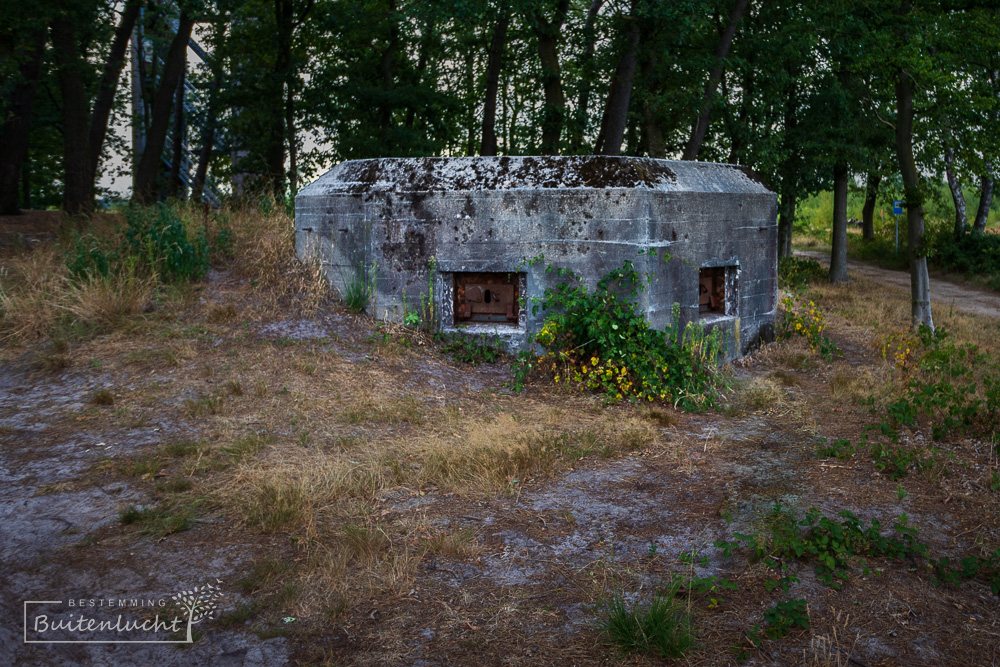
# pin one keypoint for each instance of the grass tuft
(663, 627)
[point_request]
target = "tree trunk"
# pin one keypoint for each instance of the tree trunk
(586, 76)
(78, 185)
(14, 132)
(207, 141)
(838, 256)
(957, 196)
(651, 129)
(612, 133)
(388, 79)
(105, 99)
(177, 150)
(715, 75)
(144, 187)
(868, 212)
(26, 183)
(786, 219)
(554, 108)
(494, 64)
(985, 200)
(920, 290)
(293, 148)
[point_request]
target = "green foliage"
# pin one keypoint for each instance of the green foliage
(953, 388)
(663, 627)
(359, 289)
(973, 254)
(840, 448)
(155, 241)
(784, 616)
(158, 237)
(595, 339)
(986, 568)
(471, 349)
(795, 273)
(806, 320)
(828, 543)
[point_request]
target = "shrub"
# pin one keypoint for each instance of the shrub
(158, 237)
(155, 242)
(595, 339)
(797, 272)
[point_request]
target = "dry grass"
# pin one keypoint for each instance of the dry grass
(891, 312)
(754, 395)
(855, 385)
(29, 293)
(265, 246)
(107, 301)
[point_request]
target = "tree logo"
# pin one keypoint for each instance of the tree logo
(200, 602)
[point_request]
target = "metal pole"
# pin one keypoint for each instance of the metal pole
(897, 234)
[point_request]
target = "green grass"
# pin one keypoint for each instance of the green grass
(663, 627)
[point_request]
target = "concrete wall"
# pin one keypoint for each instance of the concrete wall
(588, 214)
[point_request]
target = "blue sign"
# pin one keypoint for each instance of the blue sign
(897, 207)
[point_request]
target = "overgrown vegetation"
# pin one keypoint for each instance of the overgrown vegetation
(143, 258)
(595, 339)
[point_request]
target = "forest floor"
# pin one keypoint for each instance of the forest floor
(361, 498)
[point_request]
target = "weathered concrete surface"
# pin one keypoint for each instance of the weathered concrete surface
(588, 214)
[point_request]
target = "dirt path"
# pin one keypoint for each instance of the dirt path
(943, 293)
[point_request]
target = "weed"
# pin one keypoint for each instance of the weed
(359, 289)
(234, 387)
(180, 448)
(596, 339)
(462, 543)
(809, 323)
(263, 573)
(784, 616)
(245, 446)
(470, 349)
(158, 520)
(365, 542)
(177, 484)
(144, 468)
(102, 396)
(840, 448)
(662, 627)
(204, 406)
(797, 272)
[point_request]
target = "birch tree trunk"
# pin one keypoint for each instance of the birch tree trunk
(920, 289)
(838, 255)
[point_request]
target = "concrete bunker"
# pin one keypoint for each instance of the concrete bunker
(460, 233)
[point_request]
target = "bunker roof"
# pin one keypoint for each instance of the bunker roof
(467, 174)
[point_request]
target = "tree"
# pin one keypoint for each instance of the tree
(700, 125)
(144, 185)
(16, 107)
(612, 133)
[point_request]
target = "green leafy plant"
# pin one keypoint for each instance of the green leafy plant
(796, 272)
(596, 340)
(806, 320)
(471, 349)
(662, 627)
(784, 616)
